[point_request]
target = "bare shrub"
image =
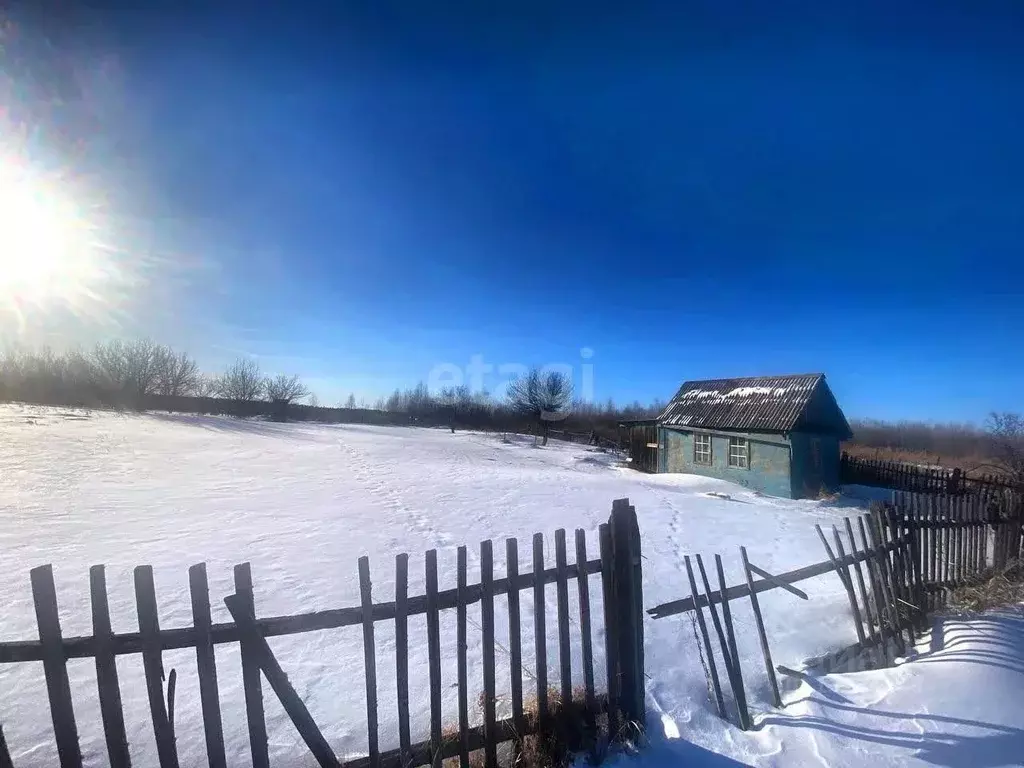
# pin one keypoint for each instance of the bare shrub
(284, 387)
(242, 380)
(542, 396)
(177, 373)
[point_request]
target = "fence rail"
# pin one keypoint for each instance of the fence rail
(618, 566)
(902, 476)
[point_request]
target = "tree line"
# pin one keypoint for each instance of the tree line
(121, 372)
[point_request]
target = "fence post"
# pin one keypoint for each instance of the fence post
(628, 595)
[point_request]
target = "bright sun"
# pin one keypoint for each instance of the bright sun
(46, 246)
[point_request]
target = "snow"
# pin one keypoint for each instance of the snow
(736, 392)
(302, 502)
(955, 702)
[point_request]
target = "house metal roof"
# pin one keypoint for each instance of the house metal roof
(752, 404)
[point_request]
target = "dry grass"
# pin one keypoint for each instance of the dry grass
(877, 453)
(569, 730)
(992, 589)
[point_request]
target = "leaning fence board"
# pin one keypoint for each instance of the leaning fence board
(859, 575)
(241, 611)
(434, 656)
(44, 595)
(5, 753)
(206, 666)
(876, 590)
(722, 643)
(716, 687)
(462, 681)
(562, 593)
(587, 643)
(611, 649)
(761, 634)
(780, 584)
(109, 688)
(152, 663)
(369, 661)
(515, 639)
(847, 583)
(487, 632)
(251, 684)
(402, 652)
(739, 694)
(539, 630)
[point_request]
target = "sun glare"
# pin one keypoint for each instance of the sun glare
(48, 252)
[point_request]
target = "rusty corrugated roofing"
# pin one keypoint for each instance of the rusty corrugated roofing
(753, 404)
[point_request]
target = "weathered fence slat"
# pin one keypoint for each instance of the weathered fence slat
(876, 590)
(539, 630)
(588, 649)
(434, 656)
(761, 634)
(152, 663)
(716, 688)
(881, 563)
(562, 592)
(106, 672)
(847, 583)
(251, 684)
(723, 645)
(58, 688)
(5, 753)
(738, 692)
(402, 652)
(611, 647)
(206, 666)
(240, 608)
(627, 557)
(771, 577)
(487, 631)
(369, 661)
(859, 574)
(515, 640)
(462, 666)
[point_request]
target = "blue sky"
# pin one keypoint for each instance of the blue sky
(688, 189)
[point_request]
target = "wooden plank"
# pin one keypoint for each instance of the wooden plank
(126, 643)
(876, 591)
(722, 642)
(487, 631)
(739, 693)
(742, 590)
(152, 663)
(402, 652)
(844, 578)
(434, 657)
(241, 610)
(761, 634)
(858, 574)
(369, 661)
(58, 688)
(5, 753)
(462, 666)
(881, 563)
(934, 542)
(780, 584)
(539, 633)
(106, 672)
(716, 687)
(515, 650)
(251, 684)
(611, 647)
(587, 642)
(562, 591)
(206, 666)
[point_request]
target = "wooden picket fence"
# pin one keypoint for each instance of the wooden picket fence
(619, 567)
(896, 564)
(901, 476)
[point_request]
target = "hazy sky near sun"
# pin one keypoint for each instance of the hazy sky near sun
(358, 192)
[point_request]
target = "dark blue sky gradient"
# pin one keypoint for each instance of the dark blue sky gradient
(689, 189)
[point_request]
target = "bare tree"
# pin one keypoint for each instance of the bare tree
(542, 395)
(284, 387)
(242, 380)
(131, 367)
(177, 373)
(314, 401)
(206, 386)
(1007, 433)
(351, 402)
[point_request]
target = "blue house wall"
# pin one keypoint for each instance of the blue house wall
(815, 464)
(769, 469)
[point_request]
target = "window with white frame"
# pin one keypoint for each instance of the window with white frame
(738, 452)
(701, 449)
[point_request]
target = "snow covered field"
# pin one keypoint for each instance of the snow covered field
(303, 502)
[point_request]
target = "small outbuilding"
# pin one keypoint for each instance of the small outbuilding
(776, 434)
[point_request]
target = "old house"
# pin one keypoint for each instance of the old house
(775, 434)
